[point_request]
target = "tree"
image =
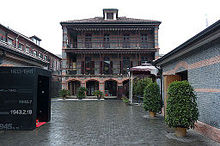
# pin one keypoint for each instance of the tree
(182, 110)
(139, 85)
(152, 100)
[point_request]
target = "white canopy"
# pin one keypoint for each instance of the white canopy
(145, 67)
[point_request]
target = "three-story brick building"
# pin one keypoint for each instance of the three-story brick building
(98, 52)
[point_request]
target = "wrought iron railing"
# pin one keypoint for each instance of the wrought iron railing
(114, 44)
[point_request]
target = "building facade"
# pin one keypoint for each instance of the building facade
(198, 61)
(17, 49)
(98, 52)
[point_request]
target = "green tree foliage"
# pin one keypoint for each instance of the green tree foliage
(81, 93)
(152, 100)
(98, 93)
(64, 93)
(182, 110)
(139, 85)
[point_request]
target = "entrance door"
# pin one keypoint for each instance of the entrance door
(91, 86)
(110, 88)
(167, 81)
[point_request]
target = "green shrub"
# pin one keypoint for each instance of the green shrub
(139, 85)
(182, 110)
(98, 93)
(81, 93)
(64, 93)
(125, 99)
(152, 100)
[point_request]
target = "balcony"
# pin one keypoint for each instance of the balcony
(112, 43)
(96, 72)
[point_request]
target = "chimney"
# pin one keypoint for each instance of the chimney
(36, 40)
(110, 14)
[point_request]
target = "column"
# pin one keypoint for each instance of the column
(131, 77)
(156, 44)
(120, 90)
(102, 87)
(64, 58)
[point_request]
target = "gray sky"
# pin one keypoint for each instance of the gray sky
(181, 19)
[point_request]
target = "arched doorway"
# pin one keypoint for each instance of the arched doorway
(111, 88)
(73, 87)
(91, 86)
(126, 88)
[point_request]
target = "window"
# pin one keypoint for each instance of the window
(40, 55)
(144, 59)
(45, 57)
(110, 15)
(143, 41)
(126, 64)
(90, 65)
(28, 49)
(2, 35)
(88, 41)
(106, 43)
(108, 65)
(10, 41)
(126, 43)
(35, 53)
(20, 46)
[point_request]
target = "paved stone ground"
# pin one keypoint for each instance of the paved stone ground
(101, 123)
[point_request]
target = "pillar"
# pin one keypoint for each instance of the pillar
(64, 58)
(131, 77)
(156, 44)
(120, 90)
(102, 87)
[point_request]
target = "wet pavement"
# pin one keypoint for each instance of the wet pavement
(101, 123)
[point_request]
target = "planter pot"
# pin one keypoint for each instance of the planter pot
(152, 114)
(180, 132)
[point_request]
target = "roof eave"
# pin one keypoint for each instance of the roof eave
(192, 40)
(109, 22)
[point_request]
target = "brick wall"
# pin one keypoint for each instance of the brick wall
(203, 67)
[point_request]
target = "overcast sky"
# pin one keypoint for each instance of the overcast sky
(181, 19)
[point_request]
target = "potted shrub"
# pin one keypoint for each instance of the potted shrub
(182, 111)
(64, 93)
(139, 85)
(152, 100)
(81, 93)
(98, 93)
(125, 100)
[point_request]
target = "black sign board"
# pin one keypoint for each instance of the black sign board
(24, 97)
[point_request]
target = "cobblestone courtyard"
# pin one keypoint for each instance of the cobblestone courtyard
(100, 123)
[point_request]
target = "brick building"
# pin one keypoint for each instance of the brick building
(97, 52)
(17, 49)
(198, 61)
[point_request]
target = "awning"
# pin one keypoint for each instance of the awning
(145, 68)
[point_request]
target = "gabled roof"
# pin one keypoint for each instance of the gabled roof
(184, 47)
(119, 20)
(29, 39)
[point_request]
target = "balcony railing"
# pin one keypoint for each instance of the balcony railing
(96, 71)
(119, 44)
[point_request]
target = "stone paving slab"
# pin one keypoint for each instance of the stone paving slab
(99, 123)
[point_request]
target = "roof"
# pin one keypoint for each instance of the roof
(29, 39)
(119, 20)
(145, 68)
(183, 47)
(35, 37)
